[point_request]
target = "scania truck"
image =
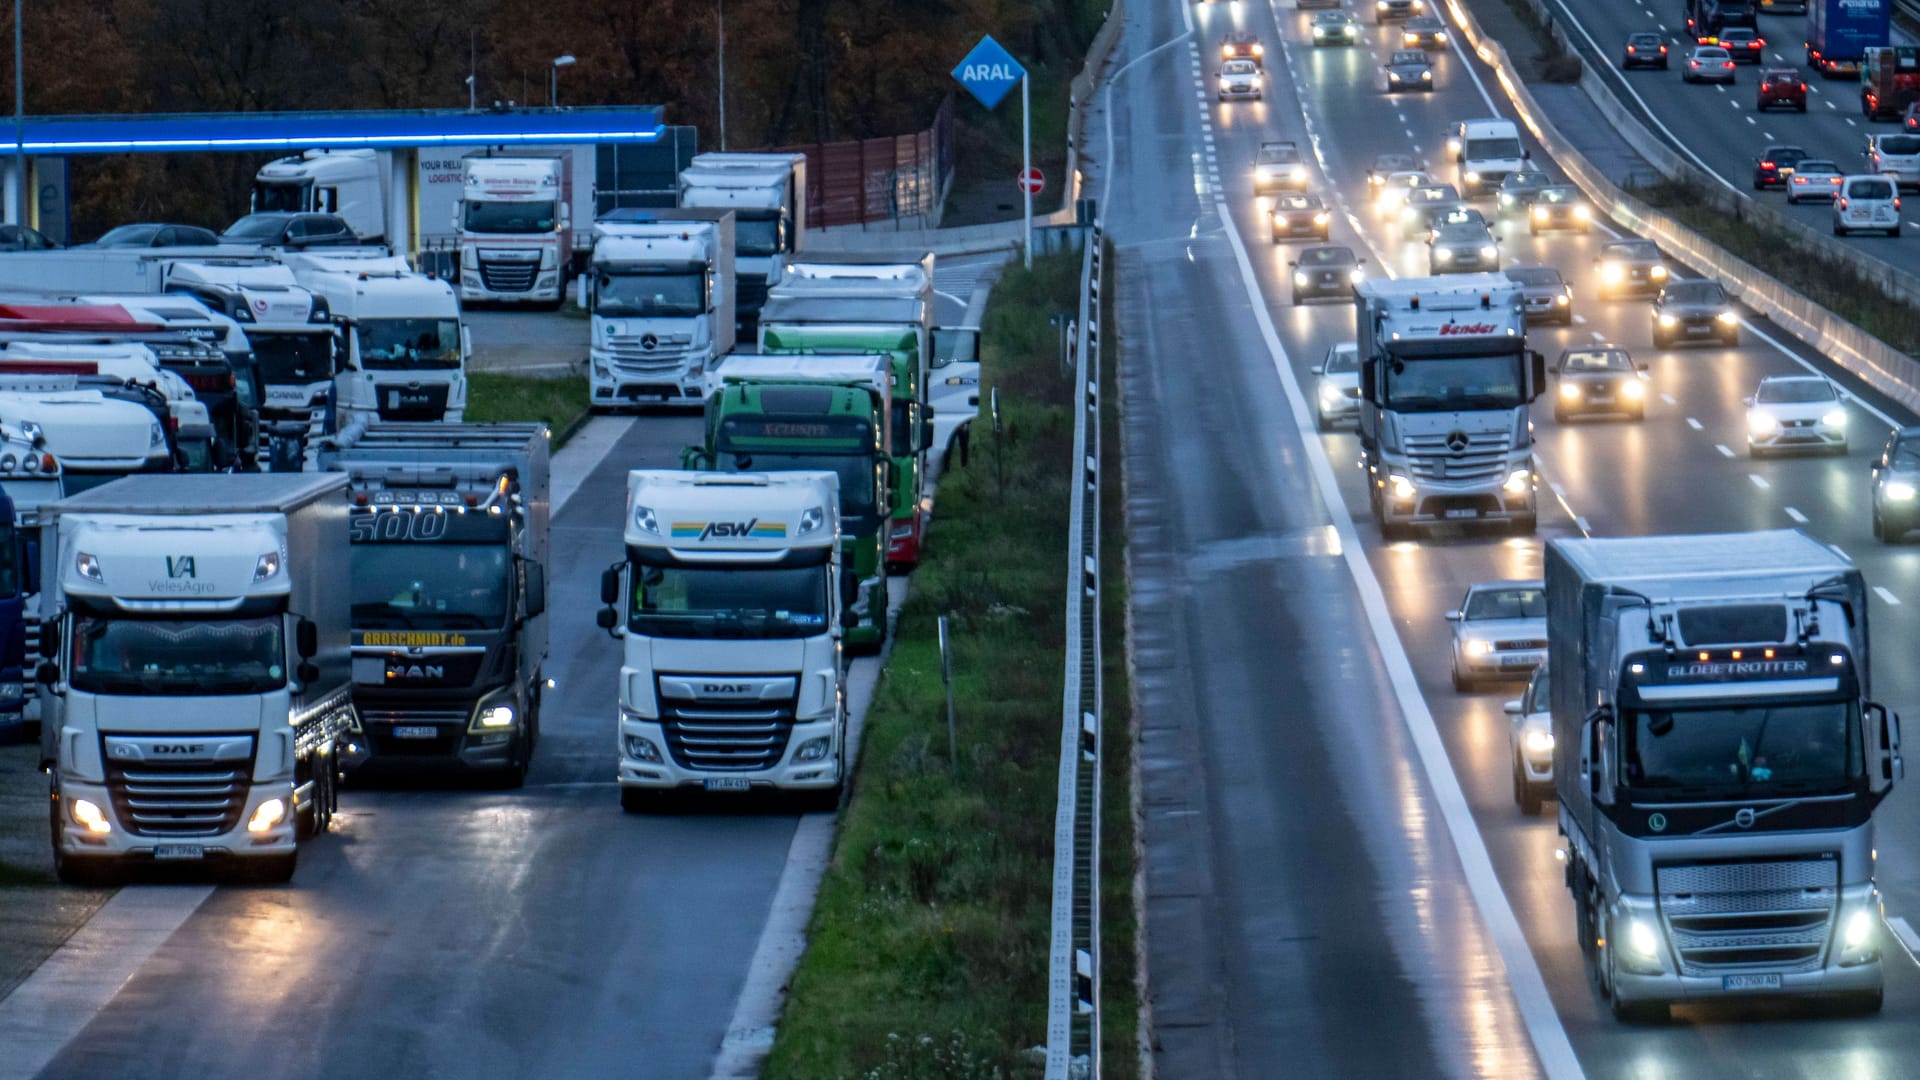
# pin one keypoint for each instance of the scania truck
(768, 195)
(1718, 758)
(449, 555)
(660, 294)
(406, 346)
(728, 601)
(782, 413)
(1445, 382)
(515, 228)
(195, 686)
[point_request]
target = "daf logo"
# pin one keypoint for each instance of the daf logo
(1457, 441)
(1743, 817)
(649, 341)
(180, 748)
(724, 688)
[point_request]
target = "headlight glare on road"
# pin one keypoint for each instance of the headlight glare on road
(1835, 418)
(1537, 741)
(1476, 647)
(1859, 928)
(1518, 481)
(1641, 939)
(1900, 491)
(1570, 391)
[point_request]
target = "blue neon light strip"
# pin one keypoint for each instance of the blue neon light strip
(331, 130)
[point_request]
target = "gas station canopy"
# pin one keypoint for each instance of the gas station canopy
(385, 129)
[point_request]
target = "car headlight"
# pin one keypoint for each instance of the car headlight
(1356, 275)
(1565, 298)
(1506, 198)
(1489, 251)
(1900, 491)
(1409, 39)
(1319, 31)
(1540, 213)
(1426, 75)
(1835, 418)
(1612, 273)
(1477, 647)
(1300, 281)
(1472, 177)
(1726, 318)
(1583, 212)
(1760, 423)
(1298, 172)
(1641, 940)
(1440, 37)
(1393, 76)
(1537, 741)
(1518, 481)
(1263, 172)
(1442, 255)
(1632, 388)
(1656, 271)
(1322, 218)
(1668, 322)
(1329, 395)
(1570, 391)
(1401, 486)
(1346, 31)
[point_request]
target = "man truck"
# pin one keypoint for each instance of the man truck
(1718, 758)
(1445, 382)
(728, 601)
(406, 346)
(660, 297)
(449, 556)
(195, 688)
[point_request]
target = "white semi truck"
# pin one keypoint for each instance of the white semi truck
(1718, 759)
(195, 691)
(1445, 384)
(660, 294)
(768, 195)
(406, 344)
(728, 602)
(515, 228)
(296, 349)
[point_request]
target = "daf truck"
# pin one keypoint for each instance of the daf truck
(195, 687)
(406, 345)
(449, 556)
(728, 607)
(1718, 758)
(660, 295)
(1445, 384)
(515, 228)
(783, 413)
(768, 195)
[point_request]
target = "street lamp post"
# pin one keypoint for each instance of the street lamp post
(720, 25)
(553, 78)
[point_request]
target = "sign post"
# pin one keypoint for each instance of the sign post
(988, 72)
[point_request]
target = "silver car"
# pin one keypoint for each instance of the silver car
(1336, 390)
(1499, 632)
(1896, 487)
(1462, 249)
(1530, 744)
(1896, 157)
(1239, 79)
(1796, 412)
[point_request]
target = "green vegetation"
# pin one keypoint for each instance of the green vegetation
(560, 403)
(1832, 283)
(927, 954)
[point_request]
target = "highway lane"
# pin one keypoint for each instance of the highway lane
(1663, 475)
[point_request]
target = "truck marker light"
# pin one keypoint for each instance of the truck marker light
(1836, 660)
(267, 815)
(1767, 654)
(1703, 657)
(1637, 669)
(1736, 654)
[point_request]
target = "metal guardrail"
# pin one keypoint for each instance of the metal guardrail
(1073, 968)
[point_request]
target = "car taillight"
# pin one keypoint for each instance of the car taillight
(1728, 64)
(1803, 89)
(1768, 166)
(1631, 49)
(1834, 180)
(1663, 50)
(1843, 204)
(1896, 203)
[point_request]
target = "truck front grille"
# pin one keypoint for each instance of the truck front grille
(629, 359)
(158, 799)
(1483, 457)
(1774, 914)
(505, 277)
(379, 725)
(726, 736)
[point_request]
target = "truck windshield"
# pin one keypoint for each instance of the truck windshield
(511, 217)
(294, 359)
(739, 601)
(430, 586)
(1439, 384)
(122, 655)
(409, 344)
(678, 295)
(1745, 750)
(281, 198)
(756, 235)
(859, 479)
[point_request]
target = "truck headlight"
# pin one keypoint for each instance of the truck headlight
(469, 258)
(1473, 177)
(641, 748)
(549, 258)
(1835, 418)
(813, 749)
(1537, 741)
(86, 813)
(1570, 391)
(10, 691)
(155, 436)
(813, 517)
(645, 520)
(267, 815)
(493, 718)
(1858, 931)
(1401, 486)
(88, 567)
(1518, 482)
(1900, 491)
(1641, 940)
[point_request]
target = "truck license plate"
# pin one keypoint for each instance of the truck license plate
(179, 852)
(1469, 512)
(727, 783)
(412, 731)
(1769, 981)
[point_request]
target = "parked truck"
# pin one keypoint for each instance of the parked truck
(25, 468)
(1718, 759)
(777, 414)
(660, 296)
(768, 195)
(297, 351)
(728, 604)
(1445, 383)
(1839, 33)
(196, 687)
(449, 556)
(515, 228)
(406, 344)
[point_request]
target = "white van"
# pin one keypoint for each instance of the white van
(1895, 156)
(1489, 150)
(1867, 202)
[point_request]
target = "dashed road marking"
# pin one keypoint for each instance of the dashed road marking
(1909, 940)
(1695, 424)
(1668, 398)
(1586, 528)
(1890, 599)
(1759, 481)
(1798, 517)
(1724, 452)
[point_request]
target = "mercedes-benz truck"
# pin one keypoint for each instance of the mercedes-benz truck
(660, 297)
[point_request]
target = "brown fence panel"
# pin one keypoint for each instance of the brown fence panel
(861, 180)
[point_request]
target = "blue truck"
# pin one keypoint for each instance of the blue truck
(1839, 33)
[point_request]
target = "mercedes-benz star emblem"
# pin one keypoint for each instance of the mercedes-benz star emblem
(1457, 441)
(648, 341)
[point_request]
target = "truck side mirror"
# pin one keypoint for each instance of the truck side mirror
(307, 672)
(1883, 737)
(306, 640)
(1595, 761)
(536, 588)
(610, 585)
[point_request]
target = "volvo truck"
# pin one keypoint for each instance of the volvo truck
(728, 607)
(515, 228)
(660, 295)
(195, 682)
(768, 195)
(1445, 384)
(782, 413)
(449, 556)
(406, 346)
(1718, 758)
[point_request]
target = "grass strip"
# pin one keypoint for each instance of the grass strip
(927, 950)
(496, 396)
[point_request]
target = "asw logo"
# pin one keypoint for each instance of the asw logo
(180, 566)
(722, 530)
(1451, 329)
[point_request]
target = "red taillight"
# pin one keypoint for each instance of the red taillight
(1896, 202)
(1834, 180)
(1728, 64)
(1803, 89)
(1663, 50)
(1768, 166)
(1843, 204)
(1631, 49)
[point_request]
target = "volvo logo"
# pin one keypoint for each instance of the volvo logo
(1457, 441)
(649, 341)
(1743, 817)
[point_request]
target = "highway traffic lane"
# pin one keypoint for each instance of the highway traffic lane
(473, 932)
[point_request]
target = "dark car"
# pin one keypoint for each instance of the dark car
(1297, 215)
(1323, 272)
(1599, 379)
(1775, 165)
(1385, 165)
(1278, 167)
(1517, 191)
(1424, 32)
(1896, 487)
(289, 230)
(1335, 28)
(1559, 207)
(1631, 268)
(21, 238)
(1781, 86)
(1643, 50)
(1744, 45)
(155, 234)
(1465, 248)
(1546, 295)
(1421, 218)
(1409, 69)
(1688, 311)
(1243, 45)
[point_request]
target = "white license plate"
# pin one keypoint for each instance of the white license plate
(415, 731)
(1699, 329)
(1521, 660)
(727, 783)
(1769, 981)
(1461, 514)
(179, 852)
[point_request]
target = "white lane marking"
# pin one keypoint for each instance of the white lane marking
(1668, 398)
(1586, 529)
(1598, 336)
(1722, 447)
(1798, 517)
(783, 938)
(1909, 940)
(1759, 481)
(1752, 121)
(1695, 424)
(1537, 1011)
(1831, 105)
(1558, 491)
(1579, 320)
(1840, 551)
(1890, 599)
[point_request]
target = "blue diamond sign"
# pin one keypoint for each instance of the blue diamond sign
(989, 71)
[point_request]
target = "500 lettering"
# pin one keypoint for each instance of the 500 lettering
(375, 528)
